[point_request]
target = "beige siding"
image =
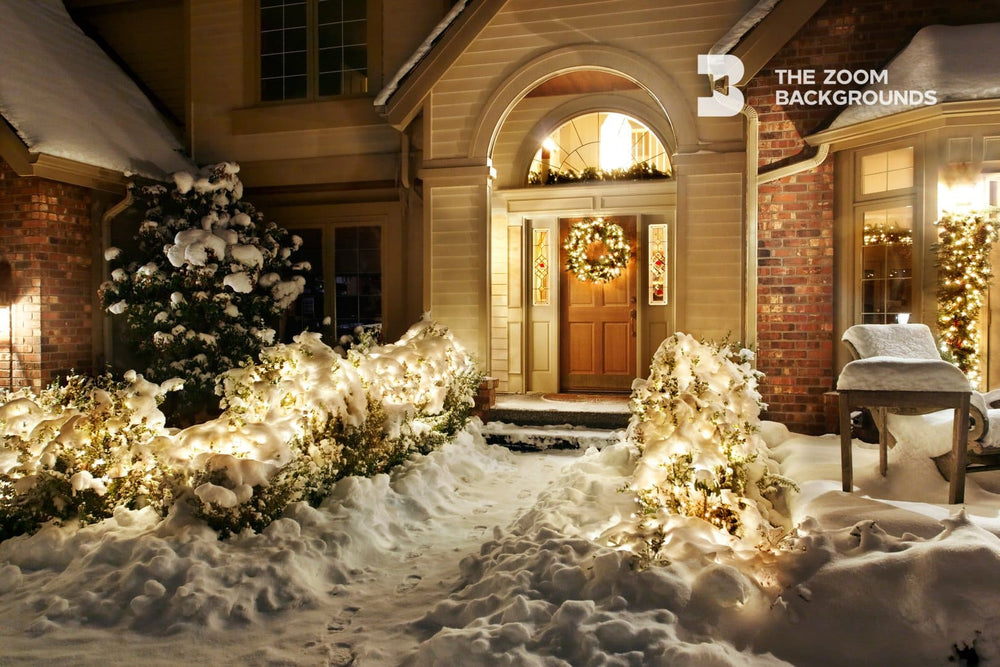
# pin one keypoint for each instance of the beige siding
(671, 38)
(345, 139)
(458, 263)
(710, 255)
(150, 38)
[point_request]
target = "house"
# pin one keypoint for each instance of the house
(434, 155)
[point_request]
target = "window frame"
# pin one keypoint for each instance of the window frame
(887, 199)
(859, 176)
(252, 54)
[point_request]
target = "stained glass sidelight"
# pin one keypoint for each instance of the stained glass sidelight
(540, 267)
(657, 265)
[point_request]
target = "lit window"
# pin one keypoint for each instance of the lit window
(313, 48)
(890, 170)
(598, 146)
(887, 265)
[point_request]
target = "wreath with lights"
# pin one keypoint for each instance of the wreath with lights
(610, 260)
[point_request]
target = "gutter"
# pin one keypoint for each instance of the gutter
(796, 167)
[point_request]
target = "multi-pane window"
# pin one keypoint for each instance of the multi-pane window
(886, 171)
(598, 143)
(313, 48)
(358, 276)
(885, 210)
(887, 265)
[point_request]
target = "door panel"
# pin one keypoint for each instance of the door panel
(597, 349)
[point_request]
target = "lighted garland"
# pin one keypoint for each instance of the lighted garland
(964, 273)
(610, 263)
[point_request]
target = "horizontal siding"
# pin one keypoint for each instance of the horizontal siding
(710, 255)
(667, 34)
(459, 263)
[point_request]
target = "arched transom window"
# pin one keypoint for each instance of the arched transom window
(599, 146)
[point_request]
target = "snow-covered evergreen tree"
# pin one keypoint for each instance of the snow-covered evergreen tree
(207, 283)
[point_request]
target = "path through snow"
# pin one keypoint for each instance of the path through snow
(396, 544)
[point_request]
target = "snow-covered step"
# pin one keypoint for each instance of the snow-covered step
(550, 436)
(607, 413)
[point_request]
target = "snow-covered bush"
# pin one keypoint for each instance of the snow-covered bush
(208, 279)
(696, 422)
(294, 423)
(80, 449)
(305, 417)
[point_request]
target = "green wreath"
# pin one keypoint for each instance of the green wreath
(613, 258)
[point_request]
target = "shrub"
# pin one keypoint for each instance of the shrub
(294, 422)
(78, 450)
(696, 422)
(205, 285)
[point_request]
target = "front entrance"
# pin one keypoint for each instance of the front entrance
(597, 347)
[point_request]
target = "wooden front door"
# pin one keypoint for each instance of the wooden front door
(597, 323)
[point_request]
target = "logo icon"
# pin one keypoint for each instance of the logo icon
(726, 100)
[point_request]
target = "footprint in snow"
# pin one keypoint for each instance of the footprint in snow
(410, 583)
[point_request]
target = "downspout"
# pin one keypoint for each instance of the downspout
(404, 161)
(750, 233)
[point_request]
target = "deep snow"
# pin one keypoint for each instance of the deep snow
(475, 555)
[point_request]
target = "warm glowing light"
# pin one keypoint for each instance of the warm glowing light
(616, 143)
(961, 195)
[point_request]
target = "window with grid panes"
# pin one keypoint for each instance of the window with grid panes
(312, 48)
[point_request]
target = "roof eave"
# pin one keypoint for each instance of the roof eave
(403, 105)
(922, 119)
(54, 168)
(756, 48)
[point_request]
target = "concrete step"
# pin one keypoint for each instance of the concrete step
(534, 410)
(519, 437)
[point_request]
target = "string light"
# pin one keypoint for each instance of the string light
(964, 273)
(614, 256)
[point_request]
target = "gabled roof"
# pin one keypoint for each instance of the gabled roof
(421, 52)
(400, 100)
(65, 98)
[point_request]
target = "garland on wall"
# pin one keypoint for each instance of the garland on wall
(640, 171)
(603, 264)
(964, 273)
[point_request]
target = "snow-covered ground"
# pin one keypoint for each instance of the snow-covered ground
(474, 555)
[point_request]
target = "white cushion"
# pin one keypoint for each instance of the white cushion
(911, 341)
(896, 374)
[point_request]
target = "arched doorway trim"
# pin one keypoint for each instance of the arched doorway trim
(663, 90)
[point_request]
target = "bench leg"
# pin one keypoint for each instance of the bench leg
(846, 466)
(959, 454)
(883, 443)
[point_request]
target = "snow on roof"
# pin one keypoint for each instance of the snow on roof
(65, 97)
(749, 21)
(383, 97)
(957, 62)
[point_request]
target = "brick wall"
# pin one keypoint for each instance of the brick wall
(46, 235)
(795, 234)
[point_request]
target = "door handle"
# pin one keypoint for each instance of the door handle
(632, 322)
